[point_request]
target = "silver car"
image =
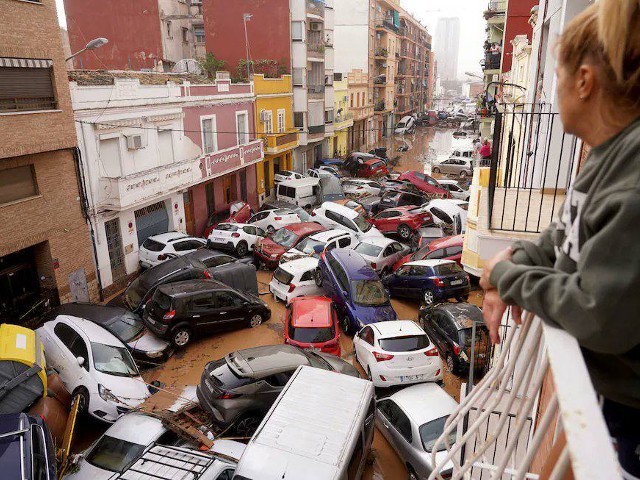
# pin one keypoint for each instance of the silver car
(455, 166)
(381, 253)
(412, 420)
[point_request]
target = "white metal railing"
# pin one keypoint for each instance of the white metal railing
(534, 415)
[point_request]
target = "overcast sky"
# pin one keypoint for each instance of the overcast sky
(472, 26)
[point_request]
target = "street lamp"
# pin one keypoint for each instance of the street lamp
(245, 17)
(475, 75)
(92, 45)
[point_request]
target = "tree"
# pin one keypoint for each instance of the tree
(210, 65)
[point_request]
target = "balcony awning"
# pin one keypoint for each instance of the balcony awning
(25, 62)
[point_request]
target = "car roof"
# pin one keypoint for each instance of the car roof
(168, 237)
(370, 200)
(236, 224)
(379, 241)
(154, 274)
(463, 314)
(282, 211)
(136, 428)
(354, 264)
(396, 328)
(444, 242)
(187, 287)
(304, 263)
(447, 181)
(301, 182)
(95, 312)
(310, 312)
(92, 330)
(205, 253)
(424, 402)
(266, 360)
(304, 227)
(371, 161)
(428, 263)
(402, 209)
(341, 209)
(275, 204)
(327, 235)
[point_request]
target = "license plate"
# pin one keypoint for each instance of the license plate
(410, 378)
(219, 240)
(456, 282)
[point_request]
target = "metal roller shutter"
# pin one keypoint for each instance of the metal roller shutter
(151, 220)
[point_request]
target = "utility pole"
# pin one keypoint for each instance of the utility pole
(245, 17)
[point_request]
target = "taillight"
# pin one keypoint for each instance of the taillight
(169, 315)
(278, 218)
(162, 257)
(228, 396)
(374, 266)
(207, 274)
(432, 352)
(313, 214)
(438, 282)
(235, 235)
(456, 349)
(381, 357)
(292, 287)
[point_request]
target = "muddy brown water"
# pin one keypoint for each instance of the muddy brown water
(186, 366)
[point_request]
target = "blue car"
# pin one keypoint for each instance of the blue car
(355, 288)
(429, 281)
(26, 448)
(333, 162)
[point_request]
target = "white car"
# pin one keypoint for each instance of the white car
(332, 215)
(95, 364)
(397, 352)
(127, 440)
(454, 188)
(295, 279)
(238, 237)
(381, 253)
(447, 212)
(284, 175)
(331, 169)
(158, 248)
(317, 173)
(359, 187)
(320, 242)
(272, 220)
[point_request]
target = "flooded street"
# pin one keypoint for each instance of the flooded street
(186, 366)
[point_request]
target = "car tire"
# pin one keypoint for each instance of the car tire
(83, 399)
(428, 298)
(451, 364)
(255, 320)
(247, 425)
(242, 249)
(317, 277)
(463, 174)
(435, 170)
(345, 323)
(180, 337)
(404, 231)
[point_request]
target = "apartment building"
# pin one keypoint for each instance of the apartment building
(45, 246)
(343, 121)
(160, 153)
(143, 35)
(448, 47)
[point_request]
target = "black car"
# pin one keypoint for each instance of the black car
(400, 198)
(177, 269)
(449, 325)
(127, 326)
(181, 310)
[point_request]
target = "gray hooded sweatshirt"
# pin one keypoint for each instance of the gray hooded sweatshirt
(583, 273)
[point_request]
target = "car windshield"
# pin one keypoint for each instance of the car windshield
(369, 293)
(308, 246)
(282, 276)
(362, 224)
(113, 360)
(317, 361)
(400, 125)
(407, 343)
(430, 431)
(227, 227)
(136, 292)
(312, 335)
(114, 454)
(368, 249)
(285, 238)
(391, 197)
(127, 327)
(421, 253)
(447, 269)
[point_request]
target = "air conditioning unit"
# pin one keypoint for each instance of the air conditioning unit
(316, 27)
(134, 142)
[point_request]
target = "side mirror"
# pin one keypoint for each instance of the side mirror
(80, 361)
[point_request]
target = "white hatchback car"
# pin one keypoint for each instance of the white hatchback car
(359, 187)
(284, 175)
(397, 352)
(381, 253)
(295, 279)
(332, 215)
(320, 242)
(272, 220)
(454, 188)
(237, 237)
(158, 248)
(95, 364)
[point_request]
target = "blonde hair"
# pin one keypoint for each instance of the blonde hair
(607, 35)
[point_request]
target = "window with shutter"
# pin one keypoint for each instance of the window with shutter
(26, 84)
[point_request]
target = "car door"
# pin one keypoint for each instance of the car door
(384, 222)
(437, 324)
(259, 219)
(71, 346)
(398, 281)
(363, 345)
(250, 235)
(231, 308)
(202, 313)
(396, 425)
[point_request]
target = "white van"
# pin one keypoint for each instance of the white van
(405, 125)
(319, 428)
(303, 192)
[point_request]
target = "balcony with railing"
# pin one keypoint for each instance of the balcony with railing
(315, 8)
(379, 106)
(315, 50)
(316, 132)
(386, 22)
(492, 61)
(496, 7)
(342, 121)
(315, 92)
(534, 415)
(381, 53)
(275, 143)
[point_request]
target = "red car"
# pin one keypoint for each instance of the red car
(372, 168)
(445, 248)
(238, 212)
(269, 250)
(425, 183)
(400, 220)
(312, 322)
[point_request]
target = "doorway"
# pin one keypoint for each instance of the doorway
(114, 247)
(267, 179)
(188, 212)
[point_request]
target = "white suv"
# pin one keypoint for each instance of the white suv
(295, 279)
(159, 248)
(320, 242)
(237, 237)
(332, 215)
(272, 220)
(284, 175)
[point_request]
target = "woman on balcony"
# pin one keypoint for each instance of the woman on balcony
(583, 273)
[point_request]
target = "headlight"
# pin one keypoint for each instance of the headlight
(154, 354)
(273, 255)
(106, 394)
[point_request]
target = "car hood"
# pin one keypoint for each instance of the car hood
(148, 342)
(268, 246)
(368, 315)
(372, 232)
(86, 470)
(132, 390)
(340, 365)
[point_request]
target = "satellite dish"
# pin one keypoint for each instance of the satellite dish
(187, 65)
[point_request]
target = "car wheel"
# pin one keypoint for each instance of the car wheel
(83, 399)
(180, 337)
(318, 278)
(345, 323)
(270, 229)
(242, 249)
(247, 425)
(255, 320)
(451, 364)
(404, 232)
(463, 174)
(428, 297)
(435, 170)
(412, 473)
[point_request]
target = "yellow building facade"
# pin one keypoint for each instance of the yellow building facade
(274, 124)
(343, 118)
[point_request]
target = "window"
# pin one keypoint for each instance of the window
(26, 84)
(249, 230)
(451, 251)
(185, 35)
(344, 242)
(202, 300)
(187, 245)
(307, 276)
(297, 31)
(17, 183)
(298, 120)
(242, 127)
(268, 121)
(228, 299)
(281, 120)
(298, 77)
(351, 100)
(209, 136)
(367, 335)
(328, 116)
(165, 145)
(169, 30)
(397, 418)
(198, 32)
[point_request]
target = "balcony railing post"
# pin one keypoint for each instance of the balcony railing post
(493, 171)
